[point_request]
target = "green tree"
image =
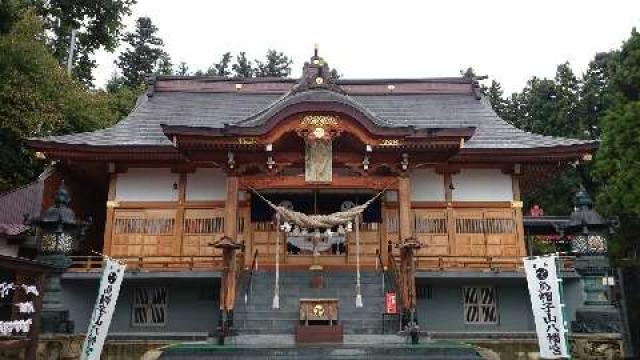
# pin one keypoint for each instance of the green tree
(594, 94)
(243, 67)
(495, 94)
(223, 67)
(144, 52)
(468, 73)
(165, 66)
(10, 11)
(552, 107)
(98, 24)
(37, 98)
(276, 64)
(183, 69)
(617, 165)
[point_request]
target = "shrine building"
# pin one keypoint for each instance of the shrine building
(210, 188)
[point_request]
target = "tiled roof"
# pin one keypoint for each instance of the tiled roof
(214, 103)
(15, 204)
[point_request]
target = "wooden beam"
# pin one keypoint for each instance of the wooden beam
(339, 182)
(461, 204)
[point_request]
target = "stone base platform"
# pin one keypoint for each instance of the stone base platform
(376, 347)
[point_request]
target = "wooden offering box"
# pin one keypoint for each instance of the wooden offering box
(318, 321)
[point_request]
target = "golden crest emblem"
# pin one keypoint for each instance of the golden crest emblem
(318, 310)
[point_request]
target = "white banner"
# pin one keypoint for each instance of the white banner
(103, 311)
(544, 289)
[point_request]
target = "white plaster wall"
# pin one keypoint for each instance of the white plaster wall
(482, 185)
(139, 184)
(426, 185)
(8, 250)
(206, 184)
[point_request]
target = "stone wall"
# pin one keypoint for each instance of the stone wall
(441, 308)
(583, 347)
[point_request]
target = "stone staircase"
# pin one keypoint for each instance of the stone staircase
(258, 317)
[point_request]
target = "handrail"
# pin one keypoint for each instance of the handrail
(171, 263)
(453, 262)
(384, 270)
(252, 270)
(395, 274)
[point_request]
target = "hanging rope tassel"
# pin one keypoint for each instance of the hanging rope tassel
(358, 292)
(276, 288)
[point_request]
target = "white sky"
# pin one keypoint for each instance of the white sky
(508, 40)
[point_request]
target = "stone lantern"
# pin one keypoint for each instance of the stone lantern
(58, 233)
(589, 233)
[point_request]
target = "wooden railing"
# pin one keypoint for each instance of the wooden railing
(394, 270)
(151, 263)
(249, 274)
(479, 263)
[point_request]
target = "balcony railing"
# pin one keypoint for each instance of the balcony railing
(479, 263)
(151, 263)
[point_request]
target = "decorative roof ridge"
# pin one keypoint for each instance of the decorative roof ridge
(340, 81)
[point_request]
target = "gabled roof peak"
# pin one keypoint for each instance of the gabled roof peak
(316, 74)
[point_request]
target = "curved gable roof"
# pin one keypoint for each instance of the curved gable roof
(221, 103)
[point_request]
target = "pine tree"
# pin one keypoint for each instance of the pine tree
(183, 69)
(618, 160)
(495, 95)
(594, 94)
(165, 67)
(469, 73)
(143, 54)
(243, 68)
(276, 64)
(222, 68)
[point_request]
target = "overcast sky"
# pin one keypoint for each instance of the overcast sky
(508, 40)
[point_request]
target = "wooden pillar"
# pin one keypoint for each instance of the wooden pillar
(451, 221)
(182, 198)
(519, 219)
(108, 226)
(231, 208)
(228, 283)
(404, 220)
(404, 206)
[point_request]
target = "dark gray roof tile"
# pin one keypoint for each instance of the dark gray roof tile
(142, 126)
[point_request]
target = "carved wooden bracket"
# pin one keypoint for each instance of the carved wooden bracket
(319, 127)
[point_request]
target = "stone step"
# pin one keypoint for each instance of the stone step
(274, 350)
(258, 317)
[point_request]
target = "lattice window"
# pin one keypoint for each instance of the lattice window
(209, 225)
(393, 225)
(484, 226)
(430, 225)
(144, 225)
(149, 306)
(424, 292)
(480, 306)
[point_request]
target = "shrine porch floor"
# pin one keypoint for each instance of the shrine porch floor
(354, 347)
